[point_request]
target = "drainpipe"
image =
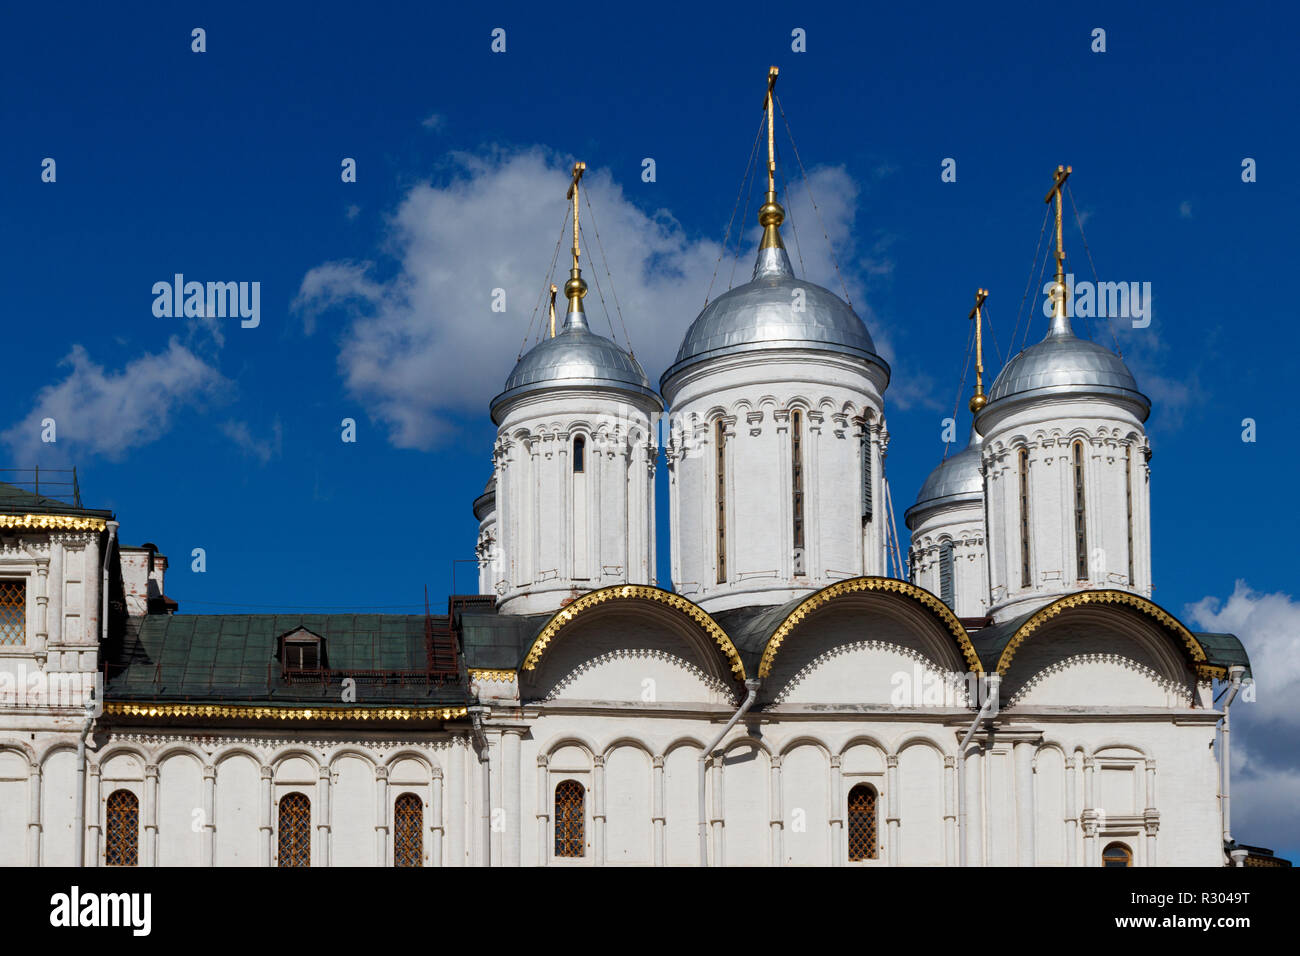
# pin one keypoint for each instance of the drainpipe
(988, 710)
(103, 618)
(752, 687)
(79, 811)
(480, 739)
(1225, 768)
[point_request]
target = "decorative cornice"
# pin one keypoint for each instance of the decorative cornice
(856, 585)
(53, 522)
(1082, 598)
(488, 674)
(1116, 661)
(633, 592)
(243, 712)
(712, 683)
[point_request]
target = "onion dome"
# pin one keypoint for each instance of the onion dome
(762, 314)
(1063, 364)
(575, 358)
(957, 480)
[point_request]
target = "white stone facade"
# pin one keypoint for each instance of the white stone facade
(753, 398)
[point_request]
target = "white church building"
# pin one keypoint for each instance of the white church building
(1020, 701)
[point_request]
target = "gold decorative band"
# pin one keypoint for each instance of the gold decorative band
(833, 591)
(500, 676)
(239, 711)
(642, 592)
(1139, 603)
(53, 522)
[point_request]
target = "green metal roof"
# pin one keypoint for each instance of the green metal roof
(212, 658)
(16, 500)
(493, 641)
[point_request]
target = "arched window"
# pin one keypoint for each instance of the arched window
(1116, 854)
(408, 831)
(863, 844)
(570, 819)
(945, 573)
(1128, 495)
(796, 480)
(1024, 518)
(122, 833)
(579, 455)
(295, 830)
(1080, 516)
(722, 500)
(866, 472)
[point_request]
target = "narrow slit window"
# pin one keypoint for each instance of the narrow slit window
(866, 474)
(945, 573)
(579, 455)
(1128, 494)
(722, 501)
(796, 477)
(1024, 518)
(1080, 516)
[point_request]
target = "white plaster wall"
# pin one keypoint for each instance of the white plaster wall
(754, 395)
(1048, 428)
(559, 532)
(961, 523)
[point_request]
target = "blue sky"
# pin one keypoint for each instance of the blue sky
(375, 295)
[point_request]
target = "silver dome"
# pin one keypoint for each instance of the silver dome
(760, 315)
(957, 480)
(1063, 364)
(575, 358)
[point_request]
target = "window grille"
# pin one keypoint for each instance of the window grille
(570, 819)
(408, 831)
(796, 476)
(1117, 854)
(295, 830)
(1080, 516)
(722, 501)
(13, 612)
(122, 830)
(945, 573)
(862, 823)
(1025, 580)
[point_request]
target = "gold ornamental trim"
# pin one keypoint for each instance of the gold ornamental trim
(53, 522)
(241, 711)
(631, 592)
(1104, 597)
(856, 585)
(488, 674)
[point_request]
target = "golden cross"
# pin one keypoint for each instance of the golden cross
(978, 401)
(554, 289)
(1061, 175)
(578, 170)
(772, 73)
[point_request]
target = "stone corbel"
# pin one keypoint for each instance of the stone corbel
(755, 421)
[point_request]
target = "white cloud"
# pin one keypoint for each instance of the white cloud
(434, 121)
(109, 413)
(263, 449)
(421, 344)
(1185, 209)
(1265, 755)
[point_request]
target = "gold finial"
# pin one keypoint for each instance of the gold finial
(1059, 178)
(771, 215)
(575, 288)
(554, 290)
(978, 400)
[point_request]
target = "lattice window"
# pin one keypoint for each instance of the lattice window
(295, 830)
(570, 819)
(408, 831)
(721, 469)
(1116, 854)
(1080, 516)
(122, 833)
(796, 478)
(863, 844)
(1025, 580)
(13, 612)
